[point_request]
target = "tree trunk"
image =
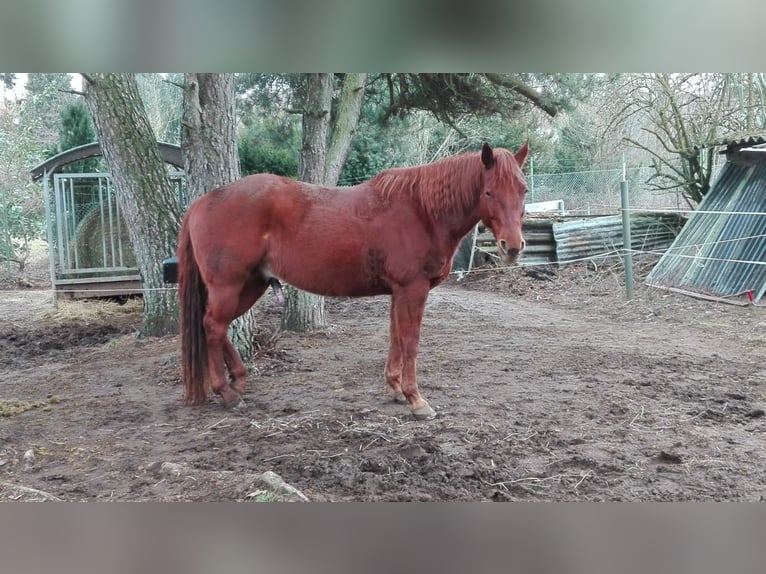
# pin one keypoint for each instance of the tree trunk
(317, 107)
(209, 149)
(305, 311)
(346, 121)
(209, 133)
(322, 165)
(148, 202)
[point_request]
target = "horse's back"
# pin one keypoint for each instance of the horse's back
(245, 206)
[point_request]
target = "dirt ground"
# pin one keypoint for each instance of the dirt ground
(547, 384)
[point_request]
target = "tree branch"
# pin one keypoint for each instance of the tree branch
(524, 90)
(172, 83)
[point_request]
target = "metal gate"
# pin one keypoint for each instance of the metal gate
(90, 252)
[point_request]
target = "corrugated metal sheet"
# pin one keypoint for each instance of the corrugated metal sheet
(600, 238)
(566, 240)
(733, 142)
(722, 249)
(540, 246)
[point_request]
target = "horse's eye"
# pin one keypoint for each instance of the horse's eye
(489, 193)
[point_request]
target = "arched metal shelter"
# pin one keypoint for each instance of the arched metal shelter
(89, 251)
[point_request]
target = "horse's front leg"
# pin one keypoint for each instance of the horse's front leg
(393, 371)
(408, 305)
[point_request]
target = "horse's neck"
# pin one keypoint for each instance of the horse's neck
(468, 223)
(457, 224)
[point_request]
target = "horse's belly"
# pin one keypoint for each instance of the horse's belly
(332, 272)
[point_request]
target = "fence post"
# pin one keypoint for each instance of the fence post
(626, 242)
(52, 245)
(473, 246)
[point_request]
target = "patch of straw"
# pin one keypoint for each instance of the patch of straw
(91, 310)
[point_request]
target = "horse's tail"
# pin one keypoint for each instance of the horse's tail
(192, 302)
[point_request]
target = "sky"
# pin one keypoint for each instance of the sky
(19, 90)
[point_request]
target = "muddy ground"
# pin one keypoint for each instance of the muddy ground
(547, 384)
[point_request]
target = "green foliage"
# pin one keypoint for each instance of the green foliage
(76, 129)
(19, 224)
(270, 140)
(262, 157)
(45, 99)
(22, 213)
(367, 156)
(575, 149)
(266, 92)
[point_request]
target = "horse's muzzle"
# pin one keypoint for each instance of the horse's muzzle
(508, 254)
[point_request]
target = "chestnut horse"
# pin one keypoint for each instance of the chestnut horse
(395, 234)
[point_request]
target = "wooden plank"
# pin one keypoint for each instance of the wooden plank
(98, 289)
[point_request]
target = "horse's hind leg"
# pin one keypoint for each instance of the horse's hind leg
(237, 369)
(224, 304)
(253, 290)
(216, 323)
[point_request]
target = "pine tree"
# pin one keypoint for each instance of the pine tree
(76, 129)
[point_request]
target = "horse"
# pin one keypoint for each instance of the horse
(394, 234)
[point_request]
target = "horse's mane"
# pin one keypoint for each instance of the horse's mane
(449, 185)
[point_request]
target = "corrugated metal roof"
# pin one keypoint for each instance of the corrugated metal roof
(722, 248)
(746, 141)
(737, 142)
(602, 236)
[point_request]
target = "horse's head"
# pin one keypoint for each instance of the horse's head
(501, 206)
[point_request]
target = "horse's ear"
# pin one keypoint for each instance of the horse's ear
(487, 155)
(521, 155)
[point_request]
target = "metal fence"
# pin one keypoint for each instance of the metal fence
(87, 230)
(88, 238)
(598, 191)
(76, 234)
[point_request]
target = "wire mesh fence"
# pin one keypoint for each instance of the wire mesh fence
(597, 192)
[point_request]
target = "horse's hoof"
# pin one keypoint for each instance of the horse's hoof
(238, 388)
(399, 398)
(423, 413)
(237, 404)
(240, 406)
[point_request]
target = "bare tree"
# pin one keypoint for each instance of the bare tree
(683, 116)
